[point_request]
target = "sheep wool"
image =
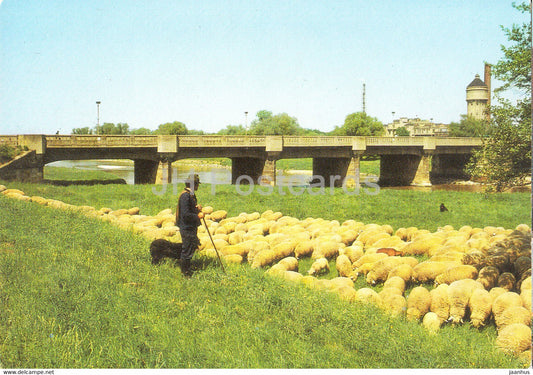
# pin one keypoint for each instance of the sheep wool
(346, 293)
(325, 249)
(431, 322)
(456, 273)
(503, 302)
(290, 276)
(319, 266)
(304, 249)
(368, 296)
(395, 282)
(427, 271)
(525, 295)
(480, 305)
(418, 303)
(514, 339)
(488, 276)
(526, 283)
(459, 293)
(381, 269)
(393, 304)
(424, 244)
(344, 266)
(233, 258)
(403, 271)
(353, 252)
(514, 314)
(369, 258)
(506, 280)
(440, 302)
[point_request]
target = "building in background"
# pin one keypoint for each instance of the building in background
(478, 96)
(416, 127)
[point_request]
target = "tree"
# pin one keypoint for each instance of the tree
(80, 131)
(402, 132)
(505, 158)
(280, 124)
(172, 128)
(232, 130)
(469, 127)
(112, 129)
(360, 124)
(141, 131)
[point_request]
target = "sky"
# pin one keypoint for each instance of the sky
(205, 63)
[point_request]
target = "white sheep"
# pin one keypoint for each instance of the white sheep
(480, 305)
(440, 302)
(344, 266)
(514, 339)
(456, 273)
(431, 322)
(319, 266)
(418, 303)
(459, 293)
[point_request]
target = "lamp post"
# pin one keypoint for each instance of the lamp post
(98, 115)
(246, 122)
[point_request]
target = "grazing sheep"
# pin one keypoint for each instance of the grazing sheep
(431, 322)
(525, 295)
(427, 271)
(381, 269)
(448, 256)
(353, 252)
(263, 258)
(386, 292)
(304, 249)
(346, 293)
(369, 258)
(404, 271)
(480, 305)
(368, 296)
(514, 339)
(339, 282)
(456, 273)
(395, 282)
(239, 249)
(290, 276)
(233, 258)
(488, 276)
(503, 302)
(459, 293)
(440, 302)
(507, 281)
(319, 266)
(286, 264)
(514, 314)
(424, 244)
(393, 304)
(325, 249)
(344, 266)
(418, 303)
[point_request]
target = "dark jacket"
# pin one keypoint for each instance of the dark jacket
(187, 213)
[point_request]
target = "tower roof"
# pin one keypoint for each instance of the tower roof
(477, 82)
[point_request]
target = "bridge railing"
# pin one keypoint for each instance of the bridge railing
(458, 141)
(9, 140)
(395, 141)
(221, 141)
(101, 141)
(302, 141)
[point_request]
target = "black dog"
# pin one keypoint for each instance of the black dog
(443, 208)
(161, 248)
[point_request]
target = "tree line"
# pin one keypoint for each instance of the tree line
(265, 123)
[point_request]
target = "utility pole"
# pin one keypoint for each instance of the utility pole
(364, 98)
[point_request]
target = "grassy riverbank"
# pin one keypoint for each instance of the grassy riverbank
(80, 293)
(398, 208)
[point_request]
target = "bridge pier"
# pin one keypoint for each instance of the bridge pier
(256, 170)
(403, 170)
(450, 166)
(145, 171)
(332, 170)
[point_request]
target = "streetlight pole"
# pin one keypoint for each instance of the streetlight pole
(98, 115)
(246, 122)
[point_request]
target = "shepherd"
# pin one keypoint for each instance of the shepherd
(188, 219)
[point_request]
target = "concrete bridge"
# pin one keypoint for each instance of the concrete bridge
(404, 160)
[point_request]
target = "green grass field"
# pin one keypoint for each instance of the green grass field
(81, 293)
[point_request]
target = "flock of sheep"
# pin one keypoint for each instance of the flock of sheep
(455, 276)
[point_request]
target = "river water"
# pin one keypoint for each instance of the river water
(212, 173)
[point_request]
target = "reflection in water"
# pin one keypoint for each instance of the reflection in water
(220, 175)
